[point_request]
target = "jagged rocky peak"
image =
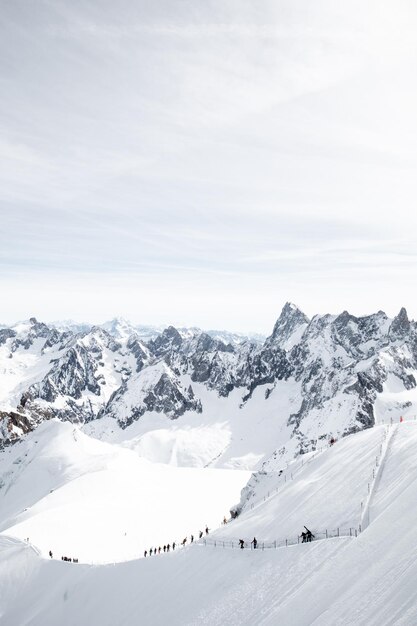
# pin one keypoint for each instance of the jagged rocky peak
(98, 338)
(400, 325)
(289, 326)
(360, 336)
(169, 340)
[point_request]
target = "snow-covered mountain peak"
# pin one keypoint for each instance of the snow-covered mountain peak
(119, 328)
(400, 325)
(289, 327)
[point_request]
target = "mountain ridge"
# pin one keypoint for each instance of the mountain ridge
(342, 366)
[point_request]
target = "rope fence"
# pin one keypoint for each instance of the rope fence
(280, 543)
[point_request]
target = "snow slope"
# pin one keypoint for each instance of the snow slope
(368, 581)
(102, 503)
(226, 434)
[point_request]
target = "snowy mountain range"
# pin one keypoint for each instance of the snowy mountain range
(121, 445)
(313, 378)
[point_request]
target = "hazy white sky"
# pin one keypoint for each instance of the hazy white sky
(200, 162)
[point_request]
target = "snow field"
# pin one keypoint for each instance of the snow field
(325, 493)
(101, 503)
(368, 581)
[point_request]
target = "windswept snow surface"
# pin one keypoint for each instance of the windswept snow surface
(368, 581)
(81, 497)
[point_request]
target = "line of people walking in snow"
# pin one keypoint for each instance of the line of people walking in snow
(168, 547)
(64, 558)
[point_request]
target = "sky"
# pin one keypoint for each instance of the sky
(203, 162)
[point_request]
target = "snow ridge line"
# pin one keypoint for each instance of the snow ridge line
(18, 542)
(379, 466)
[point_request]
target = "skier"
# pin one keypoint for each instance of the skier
(173, 545)
(165, 548)
(192, 538)
(184, 541)
(145, 554)
(159, 550)
(224, 520)
(207, 530)
(200, 534)
(150, 552)
(241, 543)
(50, 553)
(303, 537)
(168, 547)
(255, 543)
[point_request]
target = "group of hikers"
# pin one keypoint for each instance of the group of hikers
(167, 547)
(306, 535)
(64, 558)
(253, 543)
(68, 558)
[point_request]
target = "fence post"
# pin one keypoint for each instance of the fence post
(326, 534)
(338, 533)
(350, 532)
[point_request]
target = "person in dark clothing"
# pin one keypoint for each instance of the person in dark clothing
(50, 553)
(303, 537)
(159, 550)
(168, 547)
(200, 534)
(309, 535)
(184, 541)
(192, 538)
(165, 548)
(207, 530)
(254, 542)
(145, 554)
(150, 552)
(173, 545)
(241, 543)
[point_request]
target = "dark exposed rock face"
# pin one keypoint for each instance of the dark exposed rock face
(334, 362)
(12, 426)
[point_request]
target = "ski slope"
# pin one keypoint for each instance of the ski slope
(369, 580)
